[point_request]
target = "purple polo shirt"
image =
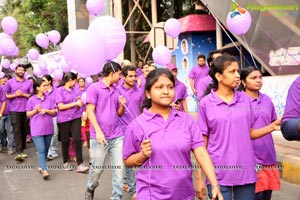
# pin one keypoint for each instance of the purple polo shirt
(134, 100)
(106, 104)
(143, 78)
(139, 72)
(292, 107)
(227, 127)
(6, 111)
(52, 94)
(202, 86)
(18, 104)
(198, 72)
(65, 96)
(170, 174)
(40, 124)
(180, 92)
(263, 147)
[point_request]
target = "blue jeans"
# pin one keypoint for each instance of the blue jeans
(42, 144)
(53, 149)
(130, 178)
(240, 192)
(97, 165)
(5, 124)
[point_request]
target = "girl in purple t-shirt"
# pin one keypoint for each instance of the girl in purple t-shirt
(226, 119)
(40, 110)
(159, 142)
(264, 150)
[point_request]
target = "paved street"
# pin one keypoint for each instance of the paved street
(27, 184)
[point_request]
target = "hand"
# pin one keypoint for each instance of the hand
(19, 93)
(277, 123)
(216, 194)
(79, 102)
(37, 108)
(146, 148)
(122, 100)
(200, 189)
(101, 138)
(176, 106)
(43, 111)
(195, 92)
(139, 82)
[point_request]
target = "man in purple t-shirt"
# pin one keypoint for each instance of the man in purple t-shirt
(18, 90)
(198, 72)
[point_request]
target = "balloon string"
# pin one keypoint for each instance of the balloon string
(248, 48)
(147, 137)
(112, 67)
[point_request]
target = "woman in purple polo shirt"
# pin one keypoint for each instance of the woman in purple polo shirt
(226, 120)
(290, 126)
(69, 119)
(160, 142)
(41, 109)
(264, 150)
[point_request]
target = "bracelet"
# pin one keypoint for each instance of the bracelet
(215, 186)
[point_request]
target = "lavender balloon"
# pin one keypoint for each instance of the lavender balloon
(5, 63)
(2, 75)
(33, 54)
(13, 66)
(37, 71)
(42, 40)
(58, 74)
(88, 81)
(161, 55)
(239, 22)
(54, 36)
(94, 7)
(9, 25)
(8, 47)
(172, 27)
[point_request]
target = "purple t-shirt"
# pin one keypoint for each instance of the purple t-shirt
(106, 104)
(40, 124)
(180, 92)
(198, 72)
(227, 127)
(139, 72)
(52, 94)
(263, 147)
(170, 174)
(65, 96)
(134, 100)
(202, 86)
(292, 107)
(143, 78)
(18, 104)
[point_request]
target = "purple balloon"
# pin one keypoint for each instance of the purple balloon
(2, 75)
(8, 47)
(94, 7)
(9, 25)
(42, 40)
(57, 58)
(58, 74)
(37, 71)
(88, 81)
(82, 75)
(16, 52)
(33, 54)
(13, 66)
(54, 36)
(5, 63)
(82, 48)
(161, 55)
(111, 33)
(4, 36)
(172, 27)
(65, 66)
(43, 66)
(239, 23)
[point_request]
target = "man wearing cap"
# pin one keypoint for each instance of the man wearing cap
(180, 91)
(18, 90)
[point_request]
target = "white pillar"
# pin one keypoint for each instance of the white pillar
(154, 12)
(219, 36)
(71, 15)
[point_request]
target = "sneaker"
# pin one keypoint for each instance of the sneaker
(89, 194)
(82, 168)
(10, 152)
(19, 158)
(24, 155)
(67, 167)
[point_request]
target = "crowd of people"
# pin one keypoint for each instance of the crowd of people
(138, 116)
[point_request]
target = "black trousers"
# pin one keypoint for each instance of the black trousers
(71, 129)
(20, 126)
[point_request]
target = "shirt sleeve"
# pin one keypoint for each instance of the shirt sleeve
(192, 73)
(7, 87)
(202, 119)
(197, 138)
(131, 144)
(91, 95)
(2, 95)
(59, 97)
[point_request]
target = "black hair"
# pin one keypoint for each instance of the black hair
(31, 78)
(218, 66)
(37, 83)
(210, 56)
(20, 65)
(68, 76)
(201, 56)
(49, 78)
(126, 69)
(110, 67)
(81, 79)
(151, 79)
(244, 74)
